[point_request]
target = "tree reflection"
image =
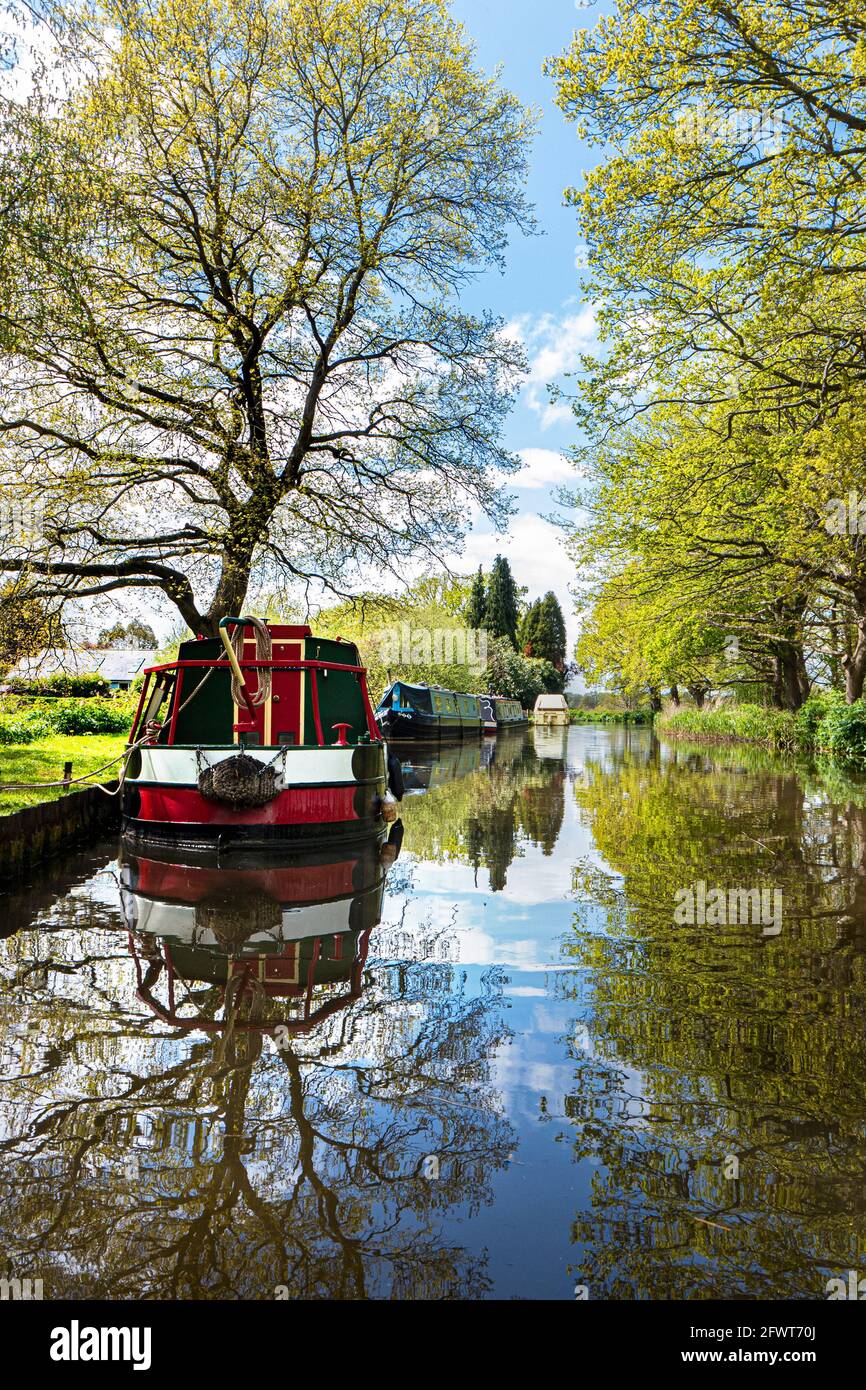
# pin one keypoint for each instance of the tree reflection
(156, 1141)
(698, 1045)
(483, 806)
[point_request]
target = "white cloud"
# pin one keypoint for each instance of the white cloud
(554, 346)
(543, 468)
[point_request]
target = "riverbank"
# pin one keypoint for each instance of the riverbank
(610, 716)
(44, 759)
(824, 726)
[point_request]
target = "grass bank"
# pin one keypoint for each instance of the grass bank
(825, 725)
(42, 761)
(610, 716)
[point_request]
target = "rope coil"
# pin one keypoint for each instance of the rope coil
(264, 652)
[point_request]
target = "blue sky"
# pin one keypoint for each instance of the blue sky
(540, 291)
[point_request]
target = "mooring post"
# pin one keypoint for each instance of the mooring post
(67, 776)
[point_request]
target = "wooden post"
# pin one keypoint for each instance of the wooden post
(67, 776)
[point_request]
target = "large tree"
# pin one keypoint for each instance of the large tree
(502, 612)
(232, 341)
(727, 217)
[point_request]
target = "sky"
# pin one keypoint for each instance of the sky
(539, 294)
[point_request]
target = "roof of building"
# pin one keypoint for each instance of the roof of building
(112, 663)
(551, 702)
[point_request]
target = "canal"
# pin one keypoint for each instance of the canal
(592, 1022)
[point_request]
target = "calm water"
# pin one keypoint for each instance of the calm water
(483, 1061)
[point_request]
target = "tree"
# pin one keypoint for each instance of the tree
(527, 635)
(231, 335)
(476, 609)
(732, 195)
(518, 677)
(27, 626)
(727, 249)
(132, 635)
(542, 631)
(502, 603)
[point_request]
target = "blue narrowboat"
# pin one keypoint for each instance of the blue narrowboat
(426, 713)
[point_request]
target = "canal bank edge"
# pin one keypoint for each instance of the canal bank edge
(36, 833)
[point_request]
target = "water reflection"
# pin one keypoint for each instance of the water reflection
(475, 1057)
(719, 1069)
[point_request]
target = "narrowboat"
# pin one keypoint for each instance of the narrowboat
(499, 712)
(426, 713)
(295, 932)
(254, 740)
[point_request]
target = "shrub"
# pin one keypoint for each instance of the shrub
(842, 732)
(61, 684)
(15, 729)
(775, 728)
(611, 716)
(91, 717)
(810, 715)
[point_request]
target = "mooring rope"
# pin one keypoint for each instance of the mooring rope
(124, 757)
(264, 652)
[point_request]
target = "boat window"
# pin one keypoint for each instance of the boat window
(286, 736)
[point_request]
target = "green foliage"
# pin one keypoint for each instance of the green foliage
(842, 732)
(91, 717)
(132, 636)
(502, 603)
(519, 677)
(611, 716)
(810, 716)
(26, 626)
(542, 631)
(62, 684)
(476, 608)
(824, 724)
(229, 192)
(29, 719)
(17, 728)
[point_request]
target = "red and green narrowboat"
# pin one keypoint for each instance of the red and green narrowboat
(257, 738)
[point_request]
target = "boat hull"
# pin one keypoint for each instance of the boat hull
(323, 795)
(419, 727)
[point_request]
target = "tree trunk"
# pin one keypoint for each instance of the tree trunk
(699, 694)
(790, 678)
(675, 695)
(655, 699)
(855, 661)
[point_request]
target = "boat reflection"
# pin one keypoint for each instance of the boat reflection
(426, 768)
(284, 944)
